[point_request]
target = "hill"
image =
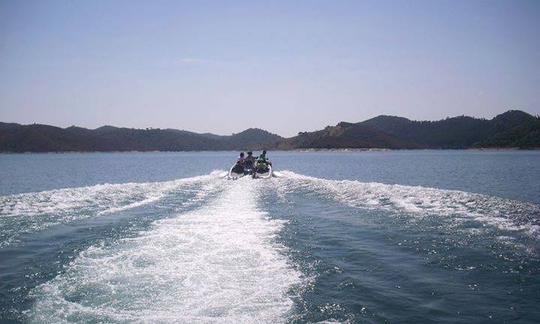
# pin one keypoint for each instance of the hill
(44, 138)
(513, 128)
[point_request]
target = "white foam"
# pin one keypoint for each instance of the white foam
(219, 263)
(31, 212)
(497, 212)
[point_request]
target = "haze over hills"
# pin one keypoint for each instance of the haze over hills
(513, 128)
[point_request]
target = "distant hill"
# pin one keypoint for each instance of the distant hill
(513, 128)
(346, 135)
(44, 138)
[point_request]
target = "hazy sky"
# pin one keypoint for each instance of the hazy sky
(287, 66)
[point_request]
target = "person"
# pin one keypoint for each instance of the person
(263, 162)
(241, 159)
(249, 161)
(264, 159)
(239, 166)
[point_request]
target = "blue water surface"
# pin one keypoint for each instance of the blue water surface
(371, 236)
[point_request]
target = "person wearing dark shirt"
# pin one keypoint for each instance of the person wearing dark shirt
(239, 167)
(249, 161)
(241, 159)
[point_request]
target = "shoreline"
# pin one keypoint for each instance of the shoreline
(299, 150)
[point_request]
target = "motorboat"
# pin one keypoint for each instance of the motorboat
(237, 171)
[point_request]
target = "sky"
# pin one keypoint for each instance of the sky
(284, 66)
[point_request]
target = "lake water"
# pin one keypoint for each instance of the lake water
(370, 237)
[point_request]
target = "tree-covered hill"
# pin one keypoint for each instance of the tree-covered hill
(44, 138)
(514, 128)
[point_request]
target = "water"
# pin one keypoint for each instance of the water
(370, 237)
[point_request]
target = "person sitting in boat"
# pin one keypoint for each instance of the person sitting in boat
(263, 163)
(249, 161)
(239, 166)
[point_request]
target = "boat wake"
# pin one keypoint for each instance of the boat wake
(222, 260)
(504, 214)
(219, 263)
(31, 212)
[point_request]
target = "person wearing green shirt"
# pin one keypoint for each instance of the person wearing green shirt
(263, 163)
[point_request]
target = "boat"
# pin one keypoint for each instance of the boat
(263, 174)
(235, 172)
